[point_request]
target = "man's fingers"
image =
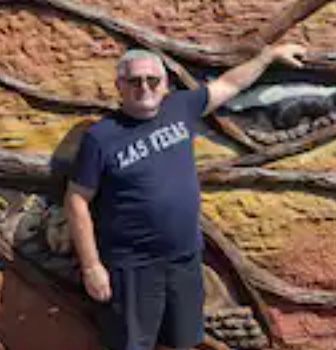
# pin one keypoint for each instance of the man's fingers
(97, 294)
(93, 292)
(294, 62)
(109, 292)
(300, 54)
(105, 292)
(292, 54)
(102, 292)
(97, 282)
(293, 59)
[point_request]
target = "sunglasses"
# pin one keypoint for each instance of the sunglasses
(138, 81)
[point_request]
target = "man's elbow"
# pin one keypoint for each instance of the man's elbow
(219, 93)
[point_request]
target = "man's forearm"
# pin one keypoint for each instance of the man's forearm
(243, 76)
(237, 79)
(96, 278)
(82, 232)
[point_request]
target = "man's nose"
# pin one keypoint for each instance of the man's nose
(144, 83)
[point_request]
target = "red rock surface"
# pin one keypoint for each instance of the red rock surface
(308, 260)
(305, 329)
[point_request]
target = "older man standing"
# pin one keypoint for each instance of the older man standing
(139, 247)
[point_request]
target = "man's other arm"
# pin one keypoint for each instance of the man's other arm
(237, 79)
(95, 276)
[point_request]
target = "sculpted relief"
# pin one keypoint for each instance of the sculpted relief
(265, 161)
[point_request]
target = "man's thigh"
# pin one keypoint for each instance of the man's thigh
(132, 318)
(182, 323)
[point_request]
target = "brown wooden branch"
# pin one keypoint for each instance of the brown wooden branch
(32, 173)
(178, 69)
(225, 126)
(215, 175)
(92, 14)
(227, 54)
(34, 92)
(287, 18)
(20, 164)
(262, 279)
(213, 235)
(24, 172)
(276, 152)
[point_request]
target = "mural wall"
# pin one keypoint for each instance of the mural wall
(266, 162)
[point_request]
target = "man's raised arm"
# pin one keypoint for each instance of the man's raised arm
(237, 79)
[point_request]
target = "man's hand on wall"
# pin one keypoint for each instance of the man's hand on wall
(291, 54)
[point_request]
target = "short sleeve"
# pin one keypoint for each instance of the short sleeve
(196, 101)
(88, 164)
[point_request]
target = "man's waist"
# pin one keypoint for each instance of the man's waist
(123, 258)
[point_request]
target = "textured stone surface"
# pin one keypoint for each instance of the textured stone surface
(320, 158)
(262, 222)
(306, 329)
(210, 21)
(58, 53)
(289, 231)
(71, 57)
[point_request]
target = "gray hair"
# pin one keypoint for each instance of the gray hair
(138, 54)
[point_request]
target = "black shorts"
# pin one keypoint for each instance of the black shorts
(160, 303)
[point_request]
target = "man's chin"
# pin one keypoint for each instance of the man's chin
(147, 109)
(148, 113)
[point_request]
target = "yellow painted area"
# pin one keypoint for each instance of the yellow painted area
(322, 158)
(92, 78)
(206, 150)
(263, 222)
(27, 129)
(32, 138)
(323, 16)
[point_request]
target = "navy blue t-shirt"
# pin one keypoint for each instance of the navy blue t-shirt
(146, 203)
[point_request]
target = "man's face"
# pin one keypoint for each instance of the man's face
(142, 88)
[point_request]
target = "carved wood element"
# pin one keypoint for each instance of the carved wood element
(263, 280)
(33, 92)
(282, 21)
(220, 174)
(226, 54)
(276, 152)
(24, 172)
(32, 173)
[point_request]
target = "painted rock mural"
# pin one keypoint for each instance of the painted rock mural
(266, 163)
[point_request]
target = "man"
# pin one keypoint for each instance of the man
(140, 250)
